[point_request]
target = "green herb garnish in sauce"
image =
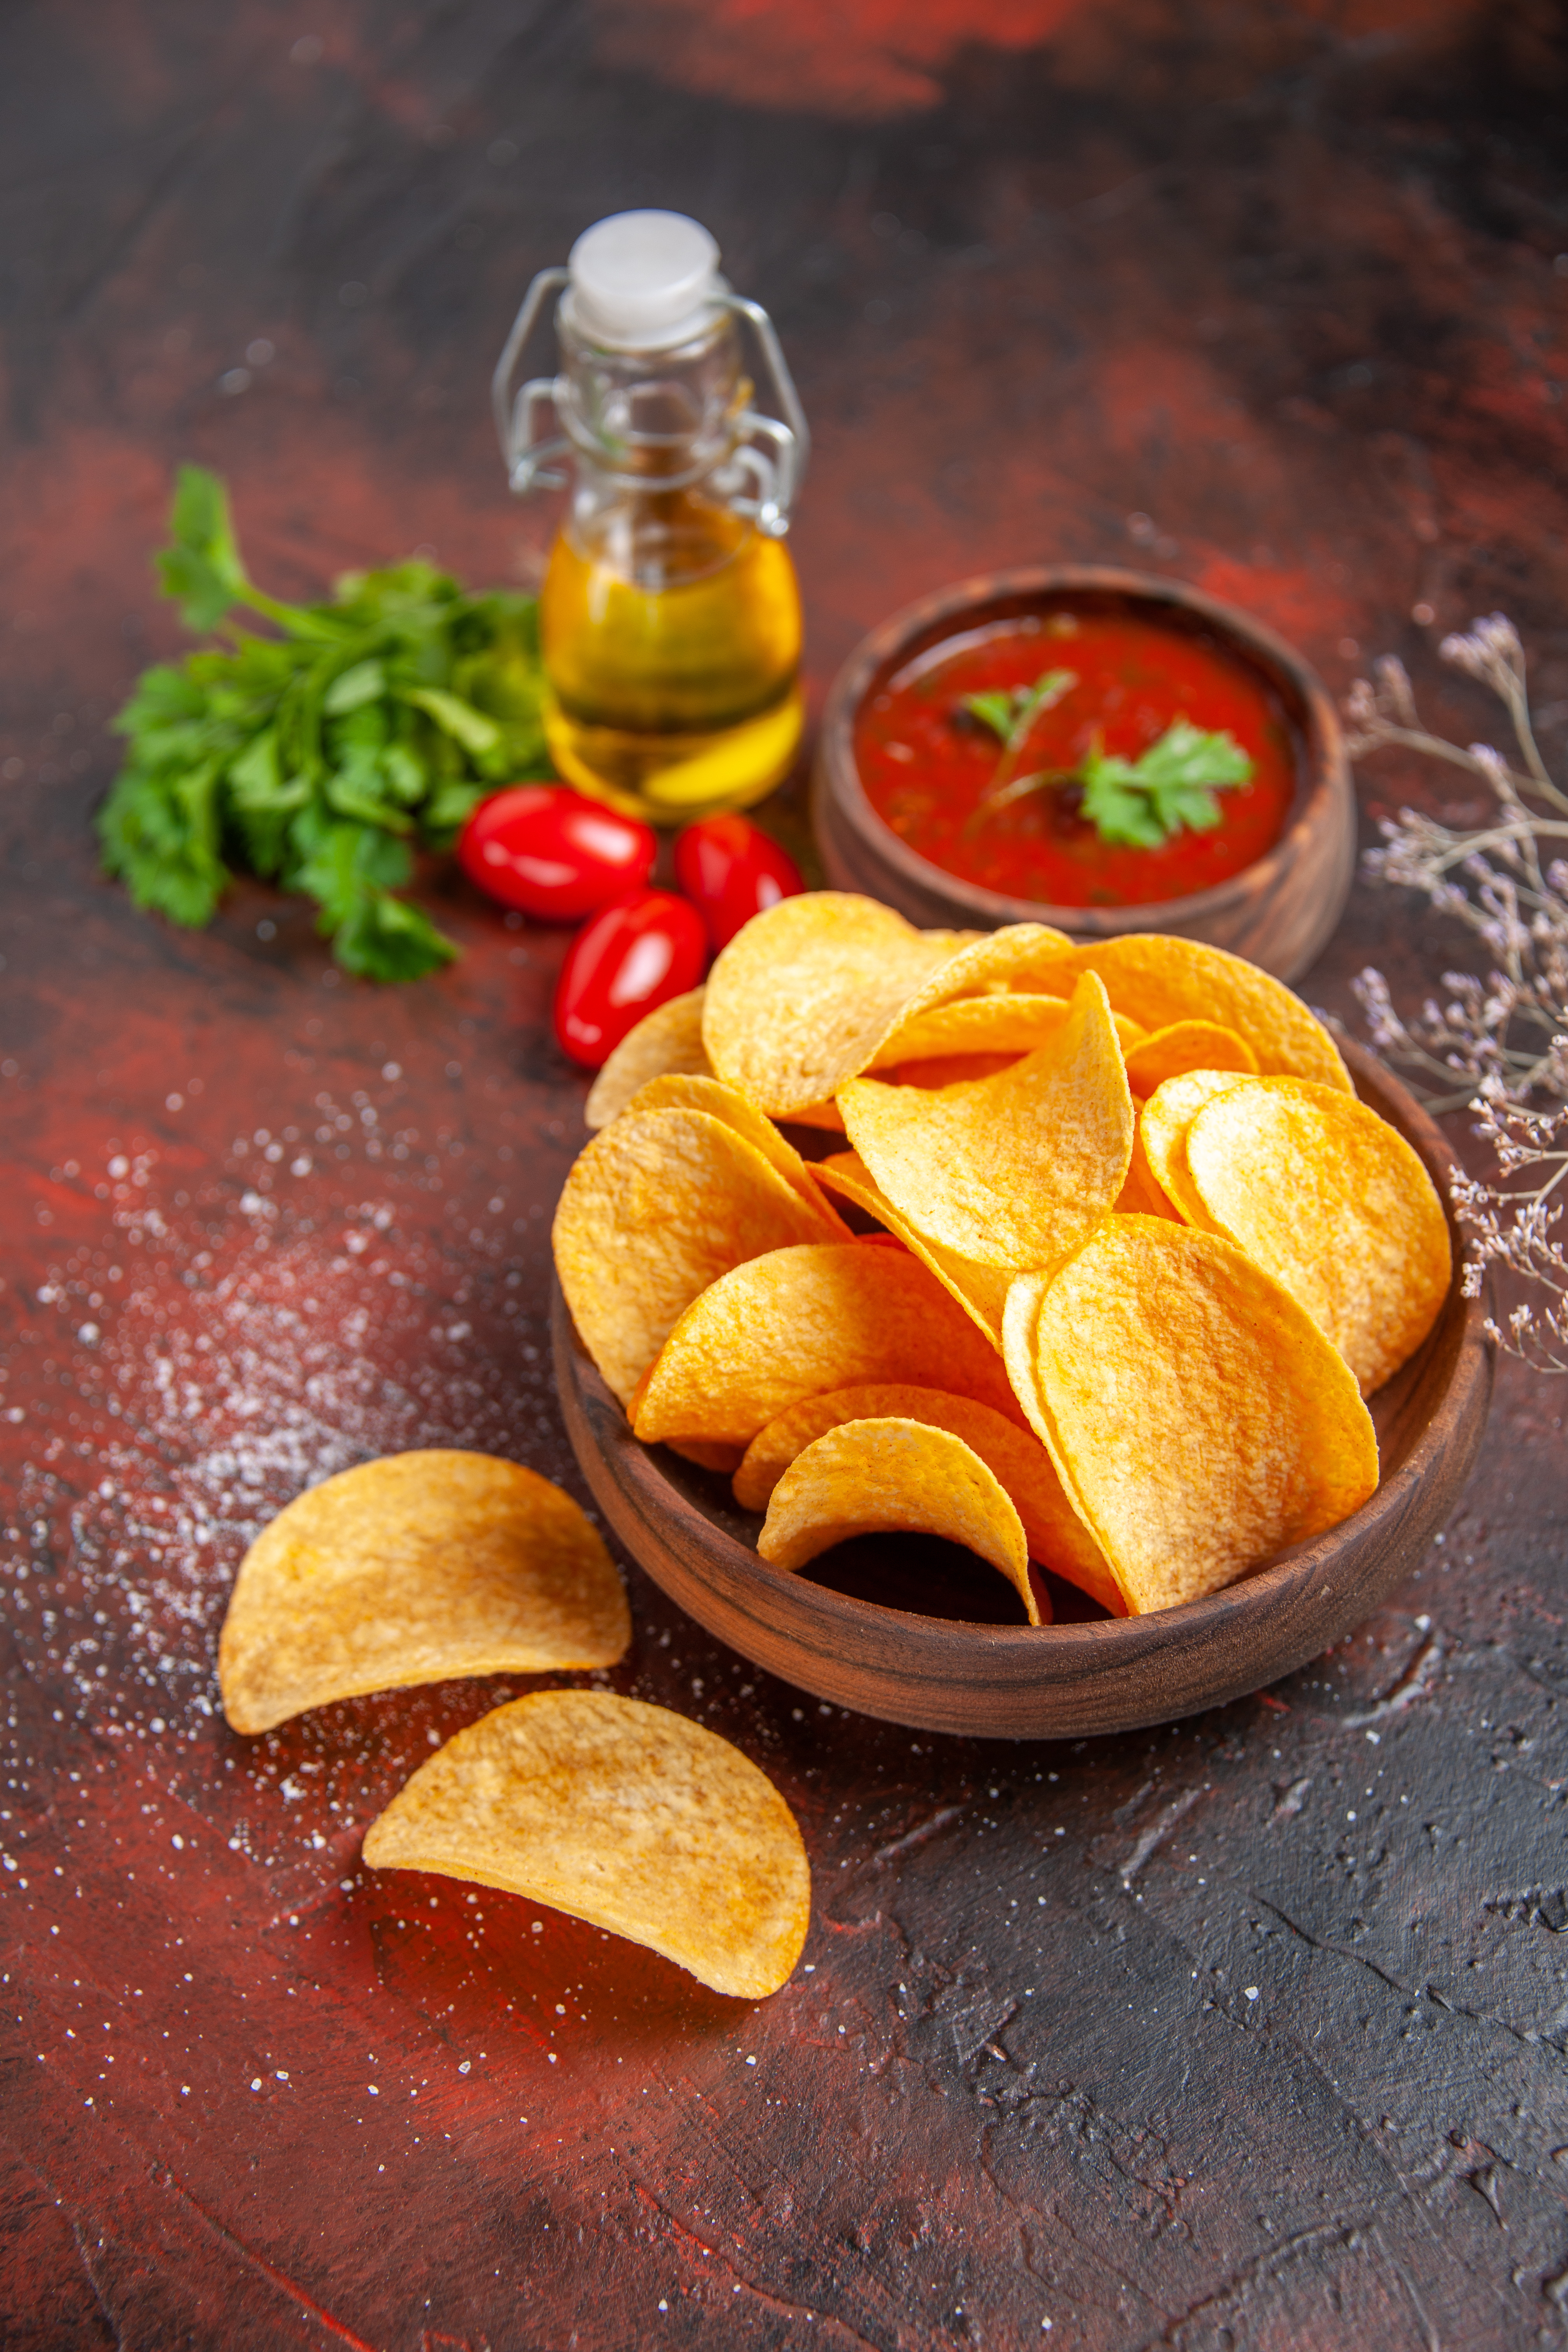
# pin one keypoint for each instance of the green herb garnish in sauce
(1139, 803)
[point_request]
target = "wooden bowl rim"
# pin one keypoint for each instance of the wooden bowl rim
(1324, 779)
(1129, 1638)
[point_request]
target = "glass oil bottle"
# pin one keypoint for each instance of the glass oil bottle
(670, 616)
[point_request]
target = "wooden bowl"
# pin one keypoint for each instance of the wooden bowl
(1018, 1682)
(1278, 912)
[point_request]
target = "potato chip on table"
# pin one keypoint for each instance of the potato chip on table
(654, 1209)
(1054, 1534)
(620, 1813)
(1199, 1420)
(411, 1569)
(801, 1321)
(865, 1477)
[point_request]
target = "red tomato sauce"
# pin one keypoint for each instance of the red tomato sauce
(926, 764)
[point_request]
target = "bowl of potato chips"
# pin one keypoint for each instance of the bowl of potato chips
(1010, 1335)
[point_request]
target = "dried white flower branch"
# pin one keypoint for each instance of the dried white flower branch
(1499, 1044)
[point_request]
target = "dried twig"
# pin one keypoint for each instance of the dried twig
(1501, 1043)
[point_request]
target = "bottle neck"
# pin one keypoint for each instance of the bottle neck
(656, 420)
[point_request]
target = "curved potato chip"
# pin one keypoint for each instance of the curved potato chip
(722, 1103)
(411, 1569)
(1054, 1534)
(1141, 1195)
(1158, 980)
(1162, 1125)
(980, 1290)
(1011, 1170)
(802, 998)
(653, 1210)
(622, 1814)
(1186, 1045)
(871, 1477)
(1083, 1563)
(1329, 1200)
(1009, 1025)
(1208, 1425)
(974, 1025)
(667, 1039)
(803, 1320)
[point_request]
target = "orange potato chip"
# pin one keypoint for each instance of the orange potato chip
(1186, 1045)
(721, 1102)
(948, 1070)
(622, 1814)
(1329, 1200)
(1206, 1424)
(1054, 1534)
(413, 1569)
(1140, 1194)
(803, 998)
(825, 1116)
(1162, 1125)
(1003, 1025)
(653, 1210)
(801, 1321)
(1010, 1171)
(974, 1025)
(667, 1039)
(980, 1290)
(1158, 980)
(869, 1477)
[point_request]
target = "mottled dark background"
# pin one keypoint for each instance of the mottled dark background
(1250, 2032)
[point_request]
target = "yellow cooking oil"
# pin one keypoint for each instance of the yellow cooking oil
(671, 636)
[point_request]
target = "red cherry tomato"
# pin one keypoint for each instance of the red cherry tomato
(631, 959)
(553, 853)
(733, 871)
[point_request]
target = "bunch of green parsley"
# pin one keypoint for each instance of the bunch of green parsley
(321, 755)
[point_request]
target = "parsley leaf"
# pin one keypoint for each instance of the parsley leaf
(369, 725)
(1143, 803)
(1011, 711)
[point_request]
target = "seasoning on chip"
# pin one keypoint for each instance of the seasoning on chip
(1011, 1170)
(1054, 1534)
(1331, 1200)
(869, 1478)
(653, 1210)
(1157, 979)
(1186, 1045)
(622, 1814)
(1162, 1125)
(980, 1290)
(800, 1321)
(1206, 1424)
(411, 1569)
(667, 1039)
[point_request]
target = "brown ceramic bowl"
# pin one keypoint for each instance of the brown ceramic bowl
(946, 1673)
(1278, 912)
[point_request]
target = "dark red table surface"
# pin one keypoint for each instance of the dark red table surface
(1248, 2032)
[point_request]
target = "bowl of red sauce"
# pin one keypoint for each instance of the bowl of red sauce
(1098, 750)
